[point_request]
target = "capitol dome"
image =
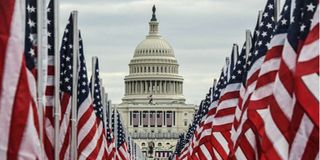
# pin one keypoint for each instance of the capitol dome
(153, 71)
(154, 46)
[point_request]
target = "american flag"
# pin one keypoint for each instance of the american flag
(184, 150)
(111, 147)
(145, 118)
(159, 118)
(18, 111)
(48, 139)
(222, 120)
(88, 130)
(169, 118)
(106, 136)
(122, 146)
(180, 144)
(254, 61)
(193, 135)
(262, 97)
(66, 89)
(135, 118)
(229, 95)
(302, 32)
(210, 143)
(152, 118)
(306, 124)
(88, 124)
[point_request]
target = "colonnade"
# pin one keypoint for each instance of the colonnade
(153, 87)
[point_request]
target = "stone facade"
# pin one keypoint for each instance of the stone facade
(153, 108)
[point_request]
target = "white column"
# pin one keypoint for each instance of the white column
(145, 87)
(136, 87)
(126, 88)
(157, 86)
(150, 87)
(170, 86)
(165, 87)
(141, 87)
(174, 87)
(160, 86)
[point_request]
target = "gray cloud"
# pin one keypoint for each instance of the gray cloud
(201, 32)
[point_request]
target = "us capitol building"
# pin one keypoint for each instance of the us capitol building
(153, 108)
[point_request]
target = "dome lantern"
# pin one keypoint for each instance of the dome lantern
(153, 24)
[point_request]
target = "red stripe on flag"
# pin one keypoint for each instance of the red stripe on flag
(20, 111)
(88, 138)
(6, 12)
(65, 144)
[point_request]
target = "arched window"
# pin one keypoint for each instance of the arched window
(143, 144)
(159, 144)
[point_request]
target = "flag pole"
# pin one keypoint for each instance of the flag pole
(93, 69)
(115, 128)
(214, 82)
(103, 104)
(235, 51)
(73, 145)
(248, 43)
(40, 82)
(109, 111)
(276, 10)
(56, 80)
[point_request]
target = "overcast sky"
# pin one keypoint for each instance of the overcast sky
(201, 33)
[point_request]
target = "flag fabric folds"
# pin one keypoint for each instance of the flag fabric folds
(21, 126)
(106, 135)
(19, 121)
(48, 137)
(270, 105)
(122, 152)
(89, 128)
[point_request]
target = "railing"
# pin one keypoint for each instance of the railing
(154, 135)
